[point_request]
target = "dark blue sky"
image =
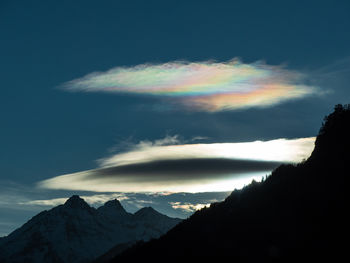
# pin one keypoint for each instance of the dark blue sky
(46, 131)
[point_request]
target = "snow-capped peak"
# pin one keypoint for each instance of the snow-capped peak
(75, 232)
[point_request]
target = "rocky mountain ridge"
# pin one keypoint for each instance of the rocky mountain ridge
(76, 232)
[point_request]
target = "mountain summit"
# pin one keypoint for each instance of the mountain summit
(113, 204)
(298, 213)
(146, 212)
(75, 202)
(76, 232)
(113, 209)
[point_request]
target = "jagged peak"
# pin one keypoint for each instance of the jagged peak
(75, 201)
(112, 205)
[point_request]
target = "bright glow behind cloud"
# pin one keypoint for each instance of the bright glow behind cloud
(204, 86)
(154, 167)
(280, 150)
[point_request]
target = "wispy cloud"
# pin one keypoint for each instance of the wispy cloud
(202, 86)
(96, 199)
(155, 167)
(20, 204)
(174, 204)
(333, 79)
(188, 206)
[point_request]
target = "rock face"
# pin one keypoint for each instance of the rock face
(76, 232)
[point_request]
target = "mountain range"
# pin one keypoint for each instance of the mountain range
(298, 213)
(75, 232)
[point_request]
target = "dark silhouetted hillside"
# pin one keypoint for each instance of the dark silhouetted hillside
(295, 214)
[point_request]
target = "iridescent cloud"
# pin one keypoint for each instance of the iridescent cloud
(202, 86)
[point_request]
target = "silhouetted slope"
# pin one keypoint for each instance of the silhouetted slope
(114, 251)
(297, 213)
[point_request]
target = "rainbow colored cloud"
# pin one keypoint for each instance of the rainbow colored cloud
(204, 86)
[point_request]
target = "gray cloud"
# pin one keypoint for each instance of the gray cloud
(184, 169)
(183, 175)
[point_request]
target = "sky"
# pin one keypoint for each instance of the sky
(170, 104)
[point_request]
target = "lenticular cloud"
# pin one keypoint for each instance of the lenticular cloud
(202, 86)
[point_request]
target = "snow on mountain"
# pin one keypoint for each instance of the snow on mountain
(76, 232)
